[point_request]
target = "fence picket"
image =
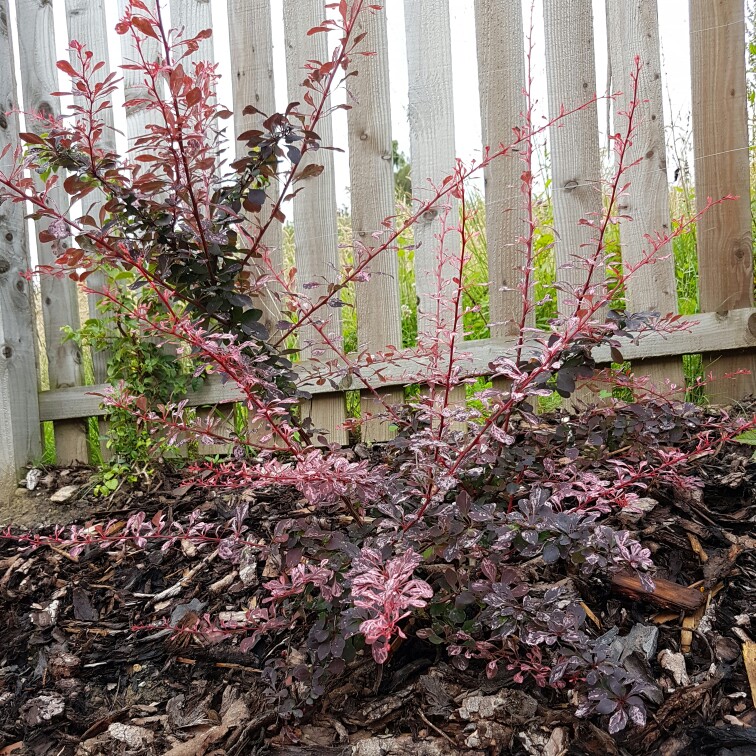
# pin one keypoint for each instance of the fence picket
(60, 307)
(194, 16)
(252, 80)
(191, 17)
(86, 23)
(20, 439)
(720, 148)
(432, 150)
(501, 74)
(137, 117)
(575, 155)
(574, 142)
(315, 230)
(634, 30)
(372, 191)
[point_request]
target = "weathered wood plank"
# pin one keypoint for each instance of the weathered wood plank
(432, 149)
(372, 192)
(705, 333)
(137, 116)
(36, 41)
(575, 154)
(253, 83)
(634, 30)
(86, 23)
(192, 17)
(501, 76)
(20, 440)
(315, 230)
(720, 146)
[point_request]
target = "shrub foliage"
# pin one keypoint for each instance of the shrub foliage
(471, 529)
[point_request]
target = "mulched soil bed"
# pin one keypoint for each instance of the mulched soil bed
(75, 678)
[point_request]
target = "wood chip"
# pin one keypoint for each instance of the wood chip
(690, 623)
(662, 618)
(667, 594)
(695, 544)
(591, 616)
(749, 658)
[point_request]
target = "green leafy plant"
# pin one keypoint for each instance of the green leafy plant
(140, 364)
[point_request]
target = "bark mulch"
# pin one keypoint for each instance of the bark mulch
(76, 679)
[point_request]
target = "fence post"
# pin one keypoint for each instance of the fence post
(20, 439)
(720, 148)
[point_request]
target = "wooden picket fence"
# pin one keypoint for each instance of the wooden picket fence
(725, 333)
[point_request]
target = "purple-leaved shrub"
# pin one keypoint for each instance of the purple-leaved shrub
(474, 528)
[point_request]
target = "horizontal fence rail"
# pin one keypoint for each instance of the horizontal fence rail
(725, 332)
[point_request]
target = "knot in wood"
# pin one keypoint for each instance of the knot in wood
(430, 215)
(4, 265)
(45, 109)
(570, 185)
(7, 352)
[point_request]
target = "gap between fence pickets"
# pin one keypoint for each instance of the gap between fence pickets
(706, 333)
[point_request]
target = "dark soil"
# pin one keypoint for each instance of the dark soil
(75, 678)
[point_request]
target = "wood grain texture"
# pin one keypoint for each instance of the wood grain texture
(706, 333)
(192, 17)
(666, 594)
(36, 41)
(432, 148)
(720, 145)
(86, 22)
(253, 83)
(20, 440)
(575, 154)
(501, 76)
(315, 231)
(634, 31)
(372, 191)
(432, 151)
(137, 116)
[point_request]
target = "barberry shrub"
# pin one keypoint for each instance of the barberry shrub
(473, 527)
